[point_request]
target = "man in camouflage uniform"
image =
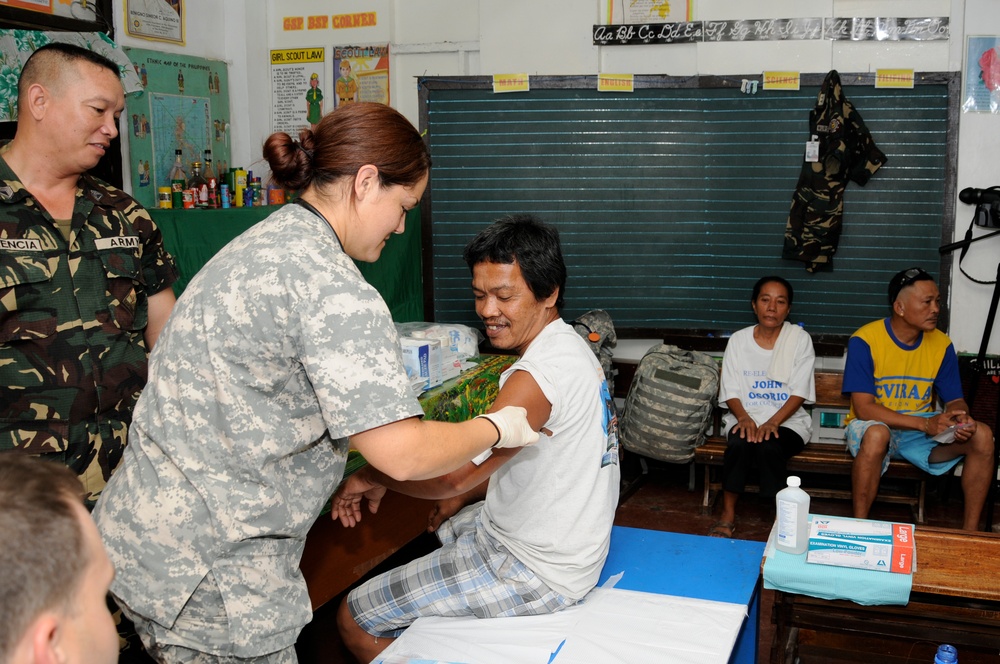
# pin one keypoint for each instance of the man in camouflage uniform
(84, 277)
(847, 152)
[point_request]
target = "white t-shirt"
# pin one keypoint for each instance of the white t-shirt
(744, 377)
(553, 504)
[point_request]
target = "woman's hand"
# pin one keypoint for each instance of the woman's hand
(765, 431)
(746, 428)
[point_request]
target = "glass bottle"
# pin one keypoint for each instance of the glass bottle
(178, 181)
(213, 193)
(208, 171)
(199, 184)
(209, 174)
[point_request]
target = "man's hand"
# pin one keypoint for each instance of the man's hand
(443, 510)
(346, 503)
(965, 425)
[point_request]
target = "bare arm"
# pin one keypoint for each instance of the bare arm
(866, 408)
(159, 305)
(417, 449)
(745, 425)
(519, 390)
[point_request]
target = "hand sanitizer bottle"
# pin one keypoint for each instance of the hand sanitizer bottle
(792, 505)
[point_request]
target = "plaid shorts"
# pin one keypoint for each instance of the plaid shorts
(913, 446)
(471, 575)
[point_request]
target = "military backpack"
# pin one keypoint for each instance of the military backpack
(669, 404)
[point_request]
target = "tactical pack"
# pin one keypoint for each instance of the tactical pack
(669, 404)
(598, 331)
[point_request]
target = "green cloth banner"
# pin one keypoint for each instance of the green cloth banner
(193, 236)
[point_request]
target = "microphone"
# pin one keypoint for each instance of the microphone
(973, 196)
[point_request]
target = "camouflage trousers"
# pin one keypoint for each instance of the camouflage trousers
(813, 229)
(200, 635)
(92, 450)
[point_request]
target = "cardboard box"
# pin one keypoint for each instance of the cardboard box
(861, 543)
(422, 359)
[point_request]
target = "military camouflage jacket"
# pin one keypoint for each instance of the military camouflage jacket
(277, 351)
(72, 317)
(847, 152)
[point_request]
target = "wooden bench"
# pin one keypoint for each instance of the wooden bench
(819, 458)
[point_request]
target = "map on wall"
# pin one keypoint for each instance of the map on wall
(178, 122)
(185, 106)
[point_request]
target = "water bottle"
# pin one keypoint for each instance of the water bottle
(946, 654)
(793, 518)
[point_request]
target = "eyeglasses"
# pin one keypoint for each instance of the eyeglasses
(912, 275)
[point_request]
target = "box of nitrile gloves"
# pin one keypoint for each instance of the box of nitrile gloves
(861, 543)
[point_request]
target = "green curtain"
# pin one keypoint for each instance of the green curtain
(194, 236)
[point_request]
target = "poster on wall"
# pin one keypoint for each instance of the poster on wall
(155, 20)
(982, 75)
(297, 89)
(44, 6)
(649, 11)
(185, 107)
(361, 73)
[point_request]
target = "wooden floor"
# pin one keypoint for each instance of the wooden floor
(660, 500)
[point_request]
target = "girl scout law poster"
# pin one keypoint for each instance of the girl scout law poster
(297, 88)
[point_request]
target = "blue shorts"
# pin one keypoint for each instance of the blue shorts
(913, 446)
(471, 575)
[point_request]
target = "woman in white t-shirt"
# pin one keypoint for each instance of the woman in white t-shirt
(767, 375)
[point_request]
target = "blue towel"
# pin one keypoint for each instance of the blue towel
(791, 573)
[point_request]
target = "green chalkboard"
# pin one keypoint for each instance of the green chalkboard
(672, 200)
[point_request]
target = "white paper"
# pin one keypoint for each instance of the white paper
(947, 436)
(610, 627)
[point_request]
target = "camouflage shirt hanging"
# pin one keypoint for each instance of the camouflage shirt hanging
(846, 151)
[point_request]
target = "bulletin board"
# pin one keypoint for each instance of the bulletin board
(185, 105)
(672, 200)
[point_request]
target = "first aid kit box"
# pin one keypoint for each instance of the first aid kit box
(862, 543)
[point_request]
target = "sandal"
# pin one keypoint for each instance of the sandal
(722, 529)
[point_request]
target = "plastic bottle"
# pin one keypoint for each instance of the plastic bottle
(258, 192)
(946, 654)
(792, 505)
(240, 185)
(178, 181)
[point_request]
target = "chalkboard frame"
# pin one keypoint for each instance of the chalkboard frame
(711, 339)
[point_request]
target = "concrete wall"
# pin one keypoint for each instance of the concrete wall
(481, 37)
